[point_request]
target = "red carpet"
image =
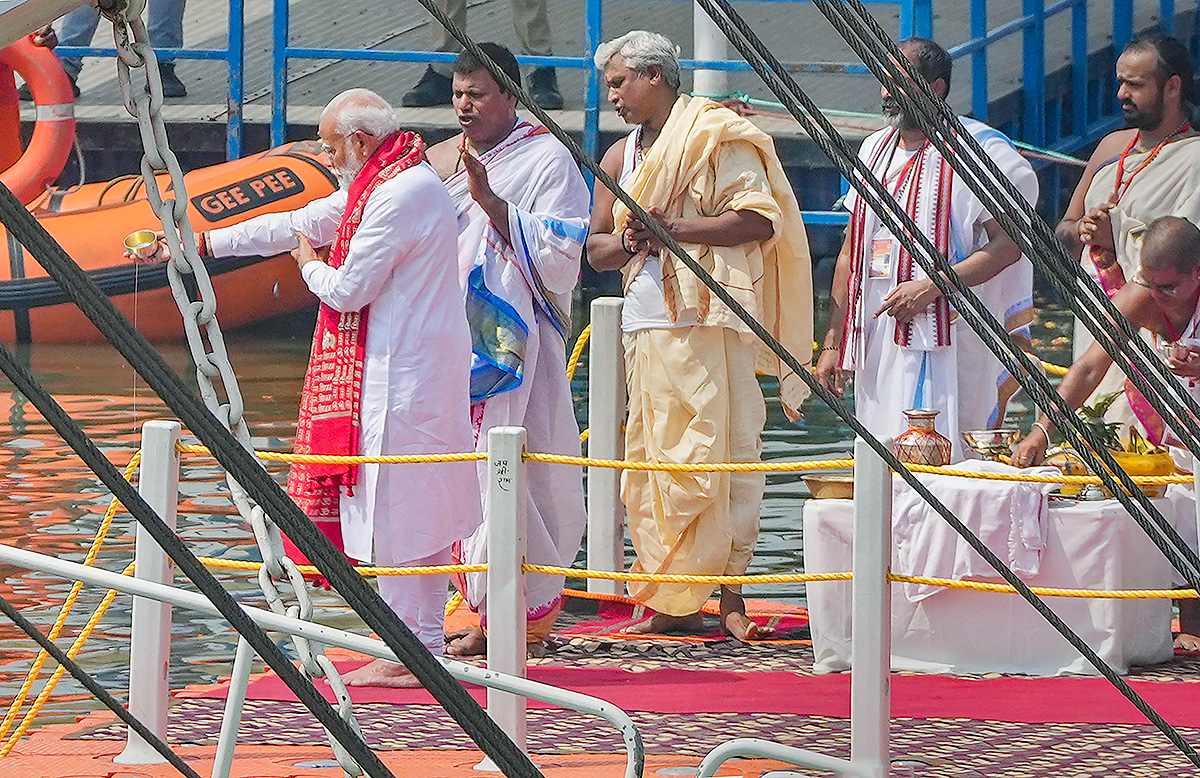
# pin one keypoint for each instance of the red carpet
(1027, 700)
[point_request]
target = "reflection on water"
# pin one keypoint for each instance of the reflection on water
(51, 503)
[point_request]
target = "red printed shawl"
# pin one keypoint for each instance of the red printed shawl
(332, 395)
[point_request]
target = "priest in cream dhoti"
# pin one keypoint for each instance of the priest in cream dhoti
(889, 325)
(522, 219)
(712, 180)
(1136, 175)
(388, 372)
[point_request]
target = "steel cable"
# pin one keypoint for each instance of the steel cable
(833, 402)
(983, 177)
(752, 49)
(1163, 534)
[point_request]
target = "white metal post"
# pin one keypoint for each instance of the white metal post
(150, 634)
(231, 720)
(708, 43)
(505, 579)
(1196, 491)
(606, 410)
(871, 646)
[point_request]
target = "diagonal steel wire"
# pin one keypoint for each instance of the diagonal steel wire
(91, 684)
(752, 49)
(1161, 532)
(946, 132)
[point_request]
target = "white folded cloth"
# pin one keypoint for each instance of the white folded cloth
(1008, 516)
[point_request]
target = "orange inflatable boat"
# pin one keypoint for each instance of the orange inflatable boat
(92, 221)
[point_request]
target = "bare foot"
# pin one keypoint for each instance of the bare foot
(1189, 644)
(734, 620)
(380, 672)
(745, 629)
(473, 643)
(661, 623)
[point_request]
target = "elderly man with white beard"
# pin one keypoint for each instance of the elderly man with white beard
(392, 320)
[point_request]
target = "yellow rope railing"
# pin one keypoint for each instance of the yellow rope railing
(60, 621)
(577, 352)
(60, 671)
(606, 575)
(1049, 367)
(685, 467)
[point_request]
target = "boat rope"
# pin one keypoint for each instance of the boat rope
(65, 609)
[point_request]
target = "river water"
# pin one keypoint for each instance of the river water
(51, 503)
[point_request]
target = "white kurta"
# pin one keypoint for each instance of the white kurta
(961, 380)
(539, 179)
(401, 263)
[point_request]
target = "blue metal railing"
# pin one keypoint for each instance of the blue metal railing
(234, 55)
(1067, 120)
(916, 18)
(1075, 116)
(1041, 120)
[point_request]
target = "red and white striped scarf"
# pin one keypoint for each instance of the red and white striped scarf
(332, 396)
(927, 190)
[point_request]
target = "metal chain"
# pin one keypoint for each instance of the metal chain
(214, 373)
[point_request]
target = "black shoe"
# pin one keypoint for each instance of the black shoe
(24, 95)
(171, 85)
(432, 89)
(543, 88)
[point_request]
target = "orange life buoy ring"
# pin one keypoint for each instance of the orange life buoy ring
(54, 131)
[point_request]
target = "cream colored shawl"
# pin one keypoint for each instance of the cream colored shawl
(693, 170)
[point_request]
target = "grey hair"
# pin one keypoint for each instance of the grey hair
(362, 109)
(641, 50)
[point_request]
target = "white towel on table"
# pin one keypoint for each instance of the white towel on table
(1008, 516)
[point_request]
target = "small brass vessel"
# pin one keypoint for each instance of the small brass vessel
(142, 244)
(831, 486)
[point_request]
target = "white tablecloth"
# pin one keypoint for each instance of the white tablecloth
(1089, 545)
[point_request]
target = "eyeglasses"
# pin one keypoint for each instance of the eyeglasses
(1167, 290)
(325, 148)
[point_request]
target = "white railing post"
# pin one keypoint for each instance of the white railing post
(1196, 491)
(606, 411)
(871, 645)
(150, 633)
(506, 650)
(708, 44)
(231, 720)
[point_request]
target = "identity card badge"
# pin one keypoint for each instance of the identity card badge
(881, 258)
